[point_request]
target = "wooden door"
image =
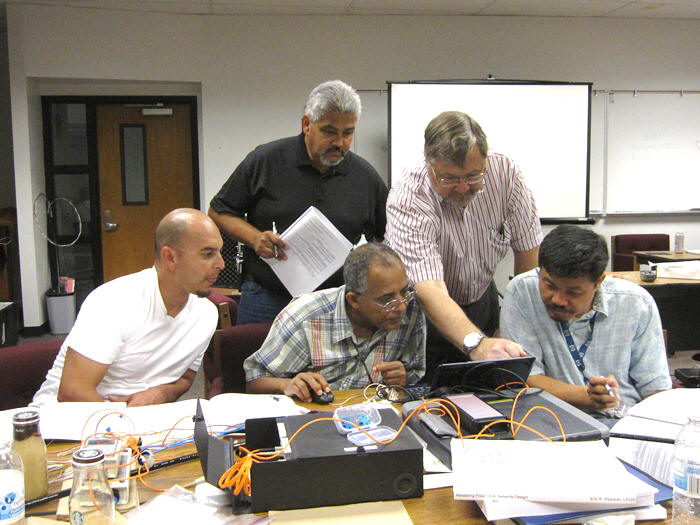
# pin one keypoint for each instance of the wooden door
(145, 170)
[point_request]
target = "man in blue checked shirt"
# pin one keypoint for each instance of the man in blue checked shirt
(371, 330)
(597, 341)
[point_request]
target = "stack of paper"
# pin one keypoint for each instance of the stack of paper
(315, 250)
(645, 437)
(524, 478)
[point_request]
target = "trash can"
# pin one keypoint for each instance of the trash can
(61, 308)
(9, 323)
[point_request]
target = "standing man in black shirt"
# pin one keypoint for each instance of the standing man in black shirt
(278, 181)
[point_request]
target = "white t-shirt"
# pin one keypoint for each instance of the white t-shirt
(124, 324)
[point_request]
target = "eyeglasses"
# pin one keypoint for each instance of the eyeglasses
(395, 304)
(453, 180)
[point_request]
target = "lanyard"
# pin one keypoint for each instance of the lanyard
(578, 353)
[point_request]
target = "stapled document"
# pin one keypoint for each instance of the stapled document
(315, 250)
(533, 470)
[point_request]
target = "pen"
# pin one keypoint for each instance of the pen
(274, 246)
(611, 392)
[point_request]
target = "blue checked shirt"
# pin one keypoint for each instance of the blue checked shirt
(627, 338)
(313, 333)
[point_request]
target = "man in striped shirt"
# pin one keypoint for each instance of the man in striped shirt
(452, 219)
(368, 331)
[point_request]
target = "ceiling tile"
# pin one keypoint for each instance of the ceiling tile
(418, 7)
(645, 9)
(553, 7)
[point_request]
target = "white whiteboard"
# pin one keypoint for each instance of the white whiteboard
(544, 127)
(653, 148)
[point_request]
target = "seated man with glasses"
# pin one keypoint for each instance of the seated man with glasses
(368, 331)
(452, 219)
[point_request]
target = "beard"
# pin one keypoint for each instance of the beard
(461, 200)
(202, 293)
(333, 162)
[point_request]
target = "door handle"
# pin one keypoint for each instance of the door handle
(109, 225)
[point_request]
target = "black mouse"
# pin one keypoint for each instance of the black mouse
(323, 399)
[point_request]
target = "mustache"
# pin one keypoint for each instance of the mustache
(559, 309)
(334, 149)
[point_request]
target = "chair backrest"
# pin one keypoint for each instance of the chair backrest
(623, 246)
(222, 301)
(24, 369)
(237, 343)
(229, 347)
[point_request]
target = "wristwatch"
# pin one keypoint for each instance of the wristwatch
(471, 341)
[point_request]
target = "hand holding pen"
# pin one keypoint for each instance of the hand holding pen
(603, 392)
(268, 244)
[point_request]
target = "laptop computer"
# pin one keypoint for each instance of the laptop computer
(483, 375)
(469, 376)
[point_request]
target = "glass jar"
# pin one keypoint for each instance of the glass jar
(29, 444)
(91, 500)
(11, 486)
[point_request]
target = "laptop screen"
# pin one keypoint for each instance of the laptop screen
(483, 375)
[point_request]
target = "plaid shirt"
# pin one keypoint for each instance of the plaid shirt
(313, 333)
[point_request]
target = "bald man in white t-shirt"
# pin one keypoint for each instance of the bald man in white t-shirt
(140, 338)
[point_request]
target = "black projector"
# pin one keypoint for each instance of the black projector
(324, 468)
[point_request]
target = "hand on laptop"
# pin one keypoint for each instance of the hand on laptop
(495, 348)
(301, 385)
(393, 372)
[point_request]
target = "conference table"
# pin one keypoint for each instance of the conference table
(678, 301)
(662, 256)
(436, 506)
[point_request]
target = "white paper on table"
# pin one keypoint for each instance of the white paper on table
(315, 251)
(679, 270)
(496, 509)
(174, 421)
(651, 457)
(652, 512)
(484, 469)
(437, 481)
(672, 406)
(641, 427)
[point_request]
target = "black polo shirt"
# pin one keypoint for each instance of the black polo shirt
(277, 182)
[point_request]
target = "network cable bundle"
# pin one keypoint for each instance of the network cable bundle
(315, 460)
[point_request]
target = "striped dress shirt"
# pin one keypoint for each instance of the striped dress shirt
(461, 246)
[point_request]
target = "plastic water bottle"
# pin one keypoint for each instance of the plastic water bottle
(686, 474)
(11, 486)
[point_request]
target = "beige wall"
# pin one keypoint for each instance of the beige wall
(252, 74)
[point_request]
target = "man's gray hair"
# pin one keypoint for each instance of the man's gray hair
(332, 96)
(357, 264)
(450, 136)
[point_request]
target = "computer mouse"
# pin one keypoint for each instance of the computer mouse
(323, 399)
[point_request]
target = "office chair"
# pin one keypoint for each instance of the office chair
(229, 347)
(623, 246)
